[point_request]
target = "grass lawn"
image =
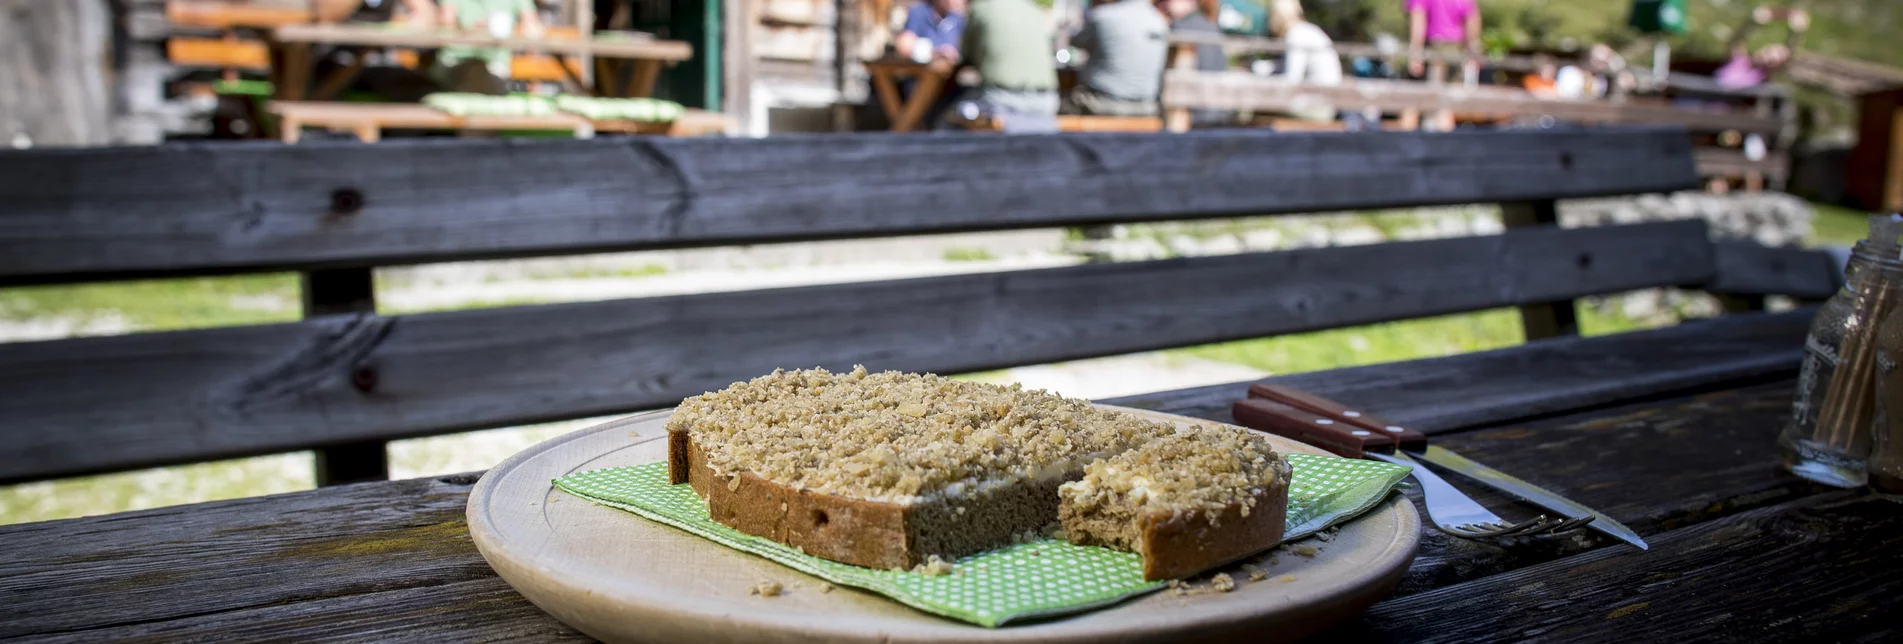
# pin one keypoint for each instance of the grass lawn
(1838, 226)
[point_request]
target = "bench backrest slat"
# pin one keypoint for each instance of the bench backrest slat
(75, 215)
(96, 404)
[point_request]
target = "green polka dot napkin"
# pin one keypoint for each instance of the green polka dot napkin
(1023, 581)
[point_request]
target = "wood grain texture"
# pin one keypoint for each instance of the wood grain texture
(207, 208)
(1550, 377)
(392, 560)
(146, 568)
(1819, 568)
(1747, 268)
(1714, 449)
(95, 404)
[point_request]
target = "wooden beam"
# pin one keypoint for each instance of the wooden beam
(1750, 269)
(95, 404)
(555, 42)
(1236, 90)
(72, 215)
(249, 55)
(1549, 377)
(347, 291)
(1557, 317)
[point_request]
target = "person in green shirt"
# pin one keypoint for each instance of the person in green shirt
(476, 69)
(1009, 43)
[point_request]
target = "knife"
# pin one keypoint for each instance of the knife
(1367, 432)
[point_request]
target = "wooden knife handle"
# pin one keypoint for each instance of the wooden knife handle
(1326, 433)
(1408, 439)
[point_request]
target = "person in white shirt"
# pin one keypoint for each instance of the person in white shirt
(1311, 57)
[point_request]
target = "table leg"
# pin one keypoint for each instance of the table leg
(564, 61)
(607, 77)
(924, 94)
(888, 91)
(646, 73)
(295, 79)
(289, 129)
(368, 133)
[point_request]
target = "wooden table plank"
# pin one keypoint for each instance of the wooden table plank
(1820, 568)
(1655, 466)
(371, 557)
(1551, 377)
(368, 35)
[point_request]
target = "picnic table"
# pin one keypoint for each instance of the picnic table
(907, 112)
(646, 54)
(1670, 431)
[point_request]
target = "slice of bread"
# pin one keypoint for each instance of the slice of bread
(887, 470)
(1186, 502)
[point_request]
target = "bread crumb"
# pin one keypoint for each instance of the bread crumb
(934, 567)
(1034, 552)
(825, 587)
(1222, 582)
(1306, 550)
(1177, 586)
(1287, 579)
(1255, 572)
(766, 589)
(1327, 535)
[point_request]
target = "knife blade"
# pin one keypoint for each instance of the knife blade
(1415, 444)
(1528, 492)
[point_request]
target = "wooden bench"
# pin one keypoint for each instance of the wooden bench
(1772, 116)
(368, 120)
(346, 379)
(234, 45)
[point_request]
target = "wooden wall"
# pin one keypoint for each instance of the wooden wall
(55, 59)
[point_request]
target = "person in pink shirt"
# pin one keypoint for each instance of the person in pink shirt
(1446, 24)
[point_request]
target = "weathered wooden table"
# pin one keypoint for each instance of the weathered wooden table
(293, 43)
(1670, 431)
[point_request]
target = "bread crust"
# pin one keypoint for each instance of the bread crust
(853, 531)
(1180, 545)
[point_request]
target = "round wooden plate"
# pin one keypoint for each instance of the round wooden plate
(619, 577)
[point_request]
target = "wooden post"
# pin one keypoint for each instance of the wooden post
(335, 292)
(1545, 319)
(1182, 57)
(736, 61)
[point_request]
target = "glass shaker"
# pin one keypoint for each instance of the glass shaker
(1833, 410)
(1886, 439)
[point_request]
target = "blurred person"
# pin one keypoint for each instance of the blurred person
(1187, 18)
(1009, 43)
(1745, 70)
(480, 70)
(1128, 45)
(1544, 81)
(932, 30)
(1310, 59)
(1448, 26)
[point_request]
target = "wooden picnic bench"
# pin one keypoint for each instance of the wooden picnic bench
(368, 120)
(644, 53)
(1771, 116)
(1668, 430)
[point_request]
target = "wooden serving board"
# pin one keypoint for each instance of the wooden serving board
(620, 577)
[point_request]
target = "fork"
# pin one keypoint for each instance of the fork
(1457, 514)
